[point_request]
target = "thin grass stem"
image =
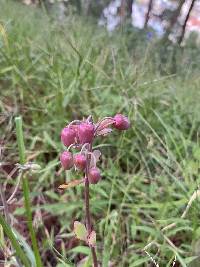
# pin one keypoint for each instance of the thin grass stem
(9, 233)
(26, 191)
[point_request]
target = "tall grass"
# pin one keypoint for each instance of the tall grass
(26, 190)
(52, 73)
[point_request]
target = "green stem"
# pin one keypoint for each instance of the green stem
(26, 191)
(87, 207)
(15, 244)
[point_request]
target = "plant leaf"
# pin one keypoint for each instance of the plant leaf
(71, 184)
(92, 239)
(81, 249)
(80, 231)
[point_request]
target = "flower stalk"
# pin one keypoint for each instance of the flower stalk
(87, 206)
(81, 136)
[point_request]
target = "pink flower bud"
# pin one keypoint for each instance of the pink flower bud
(68, 136)
(85, 132)
(94, 175)
(66, 159)
(80, 161)
(121, 122)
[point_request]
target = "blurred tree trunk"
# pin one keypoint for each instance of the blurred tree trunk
(129, 7)
(125, 10)
(122, 10)
(150, 6)
(78, 6)
(174, 19)
(87, 7)
(185, 22)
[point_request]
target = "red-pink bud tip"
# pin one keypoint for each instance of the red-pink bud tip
(68, 136)
(80, 161)
(85, 132)
(66, 159)
(94, 175)
(121, 122)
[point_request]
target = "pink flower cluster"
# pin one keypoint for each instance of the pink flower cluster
(80, 135)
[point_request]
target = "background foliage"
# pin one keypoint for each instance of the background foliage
(51, 73)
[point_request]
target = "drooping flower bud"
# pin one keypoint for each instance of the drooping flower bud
(94, 175)
(121, 122)
(85, 132)
(80, 161)
(66, 159)
(68, 136)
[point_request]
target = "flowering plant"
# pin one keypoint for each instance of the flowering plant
(80, 135)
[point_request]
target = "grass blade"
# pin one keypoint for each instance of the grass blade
(26, 191)
(14, 242)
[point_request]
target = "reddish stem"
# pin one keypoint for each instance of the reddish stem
(87, 207)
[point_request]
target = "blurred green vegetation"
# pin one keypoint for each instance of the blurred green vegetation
(52, 73)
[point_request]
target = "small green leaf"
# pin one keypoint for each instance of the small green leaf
(80, 231)
(81, 249)
(133, 230)
(191, 167)
(2, 240)
(92, 239)
(190, 259)
(196, 153)
(140, 261)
